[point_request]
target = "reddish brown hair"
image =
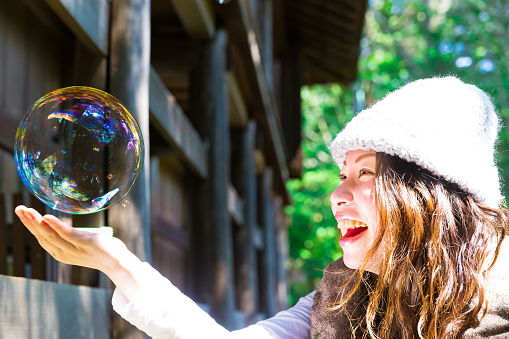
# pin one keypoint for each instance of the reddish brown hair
(440, 243)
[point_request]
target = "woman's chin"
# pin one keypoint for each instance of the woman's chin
(354, 263)
(351, 261)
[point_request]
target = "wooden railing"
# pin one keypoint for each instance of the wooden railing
(44, 309)
(20, 253)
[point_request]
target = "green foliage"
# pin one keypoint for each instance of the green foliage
(313, 235)
(403, 40)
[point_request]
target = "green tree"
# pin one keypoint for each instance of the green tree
(313, 235)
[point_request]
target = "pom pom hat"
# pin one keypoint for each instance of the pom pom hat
(442, 124)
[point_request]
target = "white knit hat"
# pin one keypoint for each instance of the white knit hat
(441, 124)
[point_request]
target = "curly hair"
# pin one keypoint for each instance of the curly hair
(440, 244)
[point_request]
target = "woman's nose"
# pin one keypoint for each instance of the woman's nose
(341, 195)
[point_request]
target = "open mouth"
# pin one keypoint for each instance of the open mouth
(352, 232)
(353, 228)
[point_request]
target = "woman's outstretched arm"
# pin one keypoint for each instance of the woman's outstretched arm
(97, 251)
(147, 299)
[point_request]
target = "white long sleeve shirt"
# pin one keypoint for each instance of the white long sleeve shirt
(163, 312)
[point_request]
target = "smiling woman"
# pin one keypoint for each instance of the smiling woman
(419, 209)
(418, 175)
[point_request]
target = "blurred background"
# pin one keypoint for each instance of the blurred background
(403, 40)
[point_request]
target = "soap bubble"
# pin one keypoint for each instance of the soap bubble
(79, 150)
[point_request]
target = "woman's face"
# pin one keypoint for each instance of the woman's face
(353, 205)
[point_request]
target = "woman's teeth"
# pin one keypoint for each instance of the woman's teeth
(351, 224)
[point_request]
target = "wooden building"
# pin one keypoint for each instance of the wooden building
(215, 89)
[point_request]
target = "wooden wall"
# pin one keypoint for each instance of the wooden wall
(208, 209)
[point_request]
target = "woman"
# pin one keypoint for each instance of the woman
(422, 234)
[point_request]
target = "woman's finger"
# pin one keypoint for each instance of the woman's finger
(44, 231)
(27, 218)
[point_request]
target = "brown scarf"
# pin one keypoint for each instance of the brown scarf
(349, 322)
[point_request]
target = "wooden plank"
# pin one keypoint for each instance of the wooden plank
(169, 259)
(3, 238)
(173, 125)
(172, 232)
(87, 19)
(197, 17)
(45, 310)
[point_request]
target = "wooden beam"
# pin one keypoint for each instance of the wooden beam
(40, 309)
(238, 109)
(197, 17)
(171, 122)
(87, 19)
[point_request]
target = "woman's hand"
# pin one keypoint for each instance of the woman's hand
(70, 246)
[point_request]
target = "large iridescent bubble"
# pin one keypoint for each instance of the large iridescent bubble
(79, 150)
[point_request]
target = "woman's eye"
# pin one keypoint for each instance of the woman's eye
(342, 177)
(366, 172)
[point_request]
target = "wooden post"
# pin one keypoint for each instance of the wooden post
(247, 282)
(209, 113)
(269, 262)
(282, 253)
(3, 238)
(129, 74)
(129, 79)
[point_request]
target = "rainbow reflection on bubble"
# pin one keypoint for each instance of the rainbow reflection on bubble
(79, 150)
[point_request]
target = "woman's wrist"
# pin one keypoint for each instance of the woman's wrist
(124, 270)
